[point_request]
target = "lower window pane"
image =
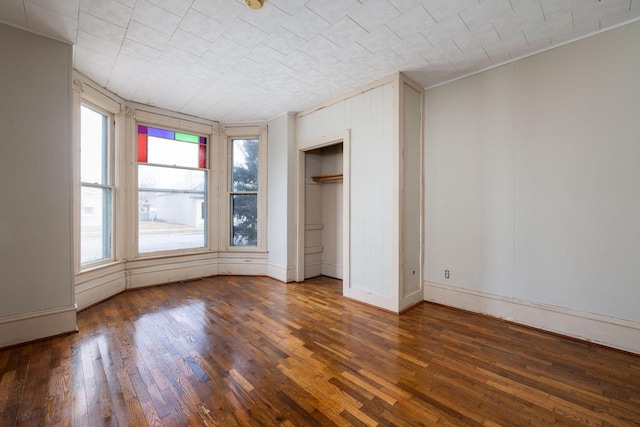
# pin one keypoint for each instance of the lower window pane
(244, 219)
(171, 209)
(95, 224)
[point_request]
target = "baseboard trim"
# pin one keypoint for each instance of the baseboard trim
(608, 331)
(35, 325)
(281, 273)
(99, 289)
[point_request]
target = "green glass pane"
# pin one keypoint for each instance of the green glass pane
(187, 137)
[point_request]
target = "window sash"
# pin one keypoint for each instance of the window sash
(106, 230)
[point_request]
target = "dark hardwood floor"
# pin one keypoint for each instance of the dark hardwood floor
(230, 351)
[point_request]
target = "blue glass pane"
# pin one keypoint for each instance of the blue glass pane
(161, 133)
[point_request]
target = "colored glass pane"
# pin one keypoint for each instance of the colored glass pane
(202, 156)
(142, 148)
(186, 137)
(203, 140)
(161, 133)
(142, 130)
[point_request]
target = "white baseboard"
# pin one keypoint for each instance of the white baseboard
(609, 331)
(31, 326)
(332, 269)
(243, 266)
(281, 273)
(157, 272)
(411, 299)
(99, 289)
(385, 303)
(313, 269)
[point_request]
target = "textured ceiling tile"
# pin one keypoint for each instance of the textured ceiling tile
(267, 19)
(446, 31)
(205, 74)
(478, 38)
(384, 60)
(284, 41)
(188, 42)
(48, 22)
(202, 26)
(344, 32)
(616, 17)
(220, 10)
(332, 11)
(542, 33)
(177, 7)
(320, 48)
(443, 10)
(604, 9)
(248, 69)
(266, 55)
(373, 14)
(379, 40)
(147, 36)
(84, 55)
(121, 85)
(484, 13)
(155, 17)
(130, 3)
(353, 54)
(178, 56)
(109, 10)
(288, 6)
(97, 72)
(305, 24)
(244, 33)
(12, 11)
(299, 61)
(139, 68)
(67, 7)
(101, 28)
(404, 5)
(502, 47)
(411, 22)
(137, 50)
(413, 47)
(228, 48)
(511, 25)
(92, 42)
(215, 62)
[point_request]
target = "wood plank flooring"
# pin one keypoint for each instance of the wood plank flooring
(228, 351)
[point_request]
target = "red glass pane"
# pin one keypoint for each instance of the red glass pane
(202, 156)
(142, 148)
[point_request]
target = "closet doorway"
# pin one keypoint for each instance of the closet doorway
(323, 209)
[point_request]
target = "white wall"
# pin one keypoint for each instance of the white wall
(281, 197)
(532, 183)
(411, 225)
(36, 283)
(373, 188)
(332, 255)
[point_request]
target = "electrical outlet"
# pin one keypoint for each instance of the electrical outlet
(446, 274)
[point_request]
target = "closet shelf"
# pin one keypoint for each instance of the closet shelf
(327, 178)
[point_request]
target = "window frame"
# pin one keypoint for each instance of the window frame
(166, 123)
(108, 108)
(230, 134)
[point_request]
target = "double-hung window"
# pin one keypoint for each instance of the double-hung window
(172, 190)
(243, 194)
(96, 186)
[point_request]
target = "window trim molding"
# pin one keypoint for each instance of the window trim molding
(228, 134)
(86, 95)
(146, 118)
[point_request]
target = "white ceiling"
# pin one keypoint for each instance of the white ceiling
(219, 60)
